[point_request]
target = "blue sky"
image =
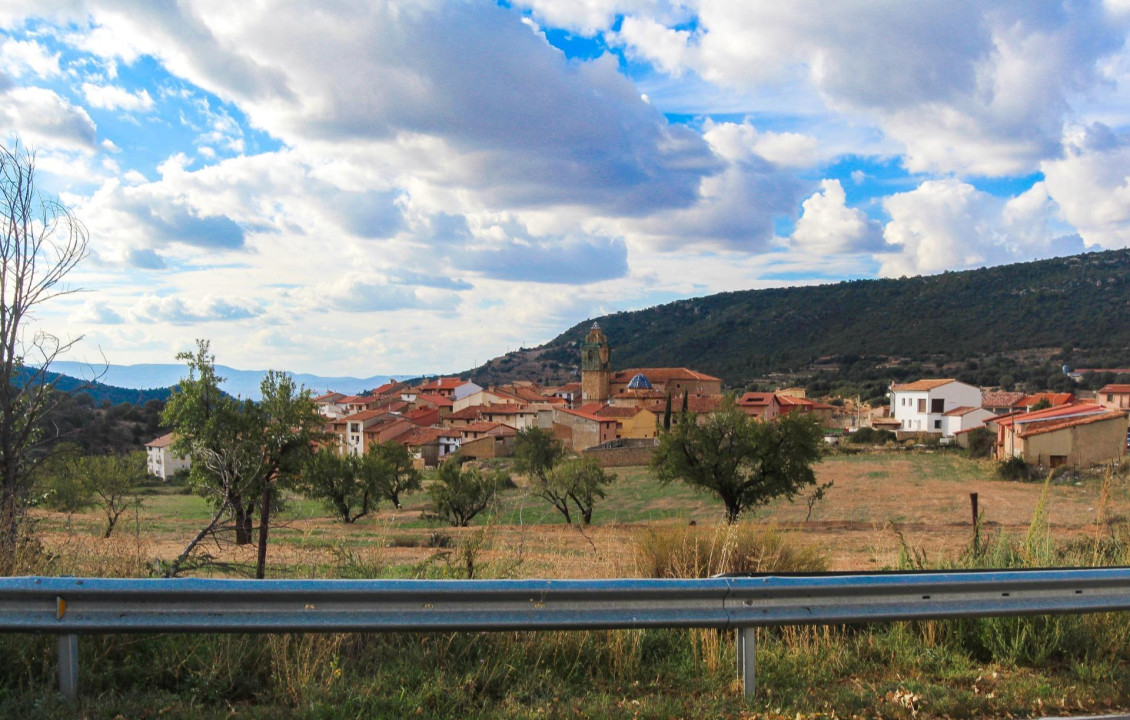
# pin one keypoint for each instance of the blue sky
(418, 186)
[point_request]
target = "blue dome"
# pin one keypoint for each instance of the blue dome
(639, 382)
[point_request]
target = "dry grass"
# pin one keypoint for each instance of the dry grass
(877, 504)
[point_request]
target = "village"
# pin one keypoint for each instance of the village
(617, 415)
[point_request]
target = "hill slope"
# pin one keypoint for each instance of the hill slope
(1080, 302)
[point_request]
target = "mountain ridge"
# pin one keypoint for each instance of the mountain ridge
(1076, 304)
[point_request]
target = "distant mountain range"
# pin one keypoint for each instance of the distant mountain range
(239, 383)
(1074, 309)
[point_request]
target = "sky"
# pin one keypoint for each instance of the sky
(417, 186)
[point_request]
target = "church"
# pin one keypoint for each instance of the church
(636, 387)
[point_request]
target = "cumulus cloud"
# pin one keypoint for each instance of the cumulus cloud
(1091, 184)
(364, 293)
(149, 215)
(175, 311)
(949, 224)
(44, 118)
(22, 57)
(97, 312)
(828, 226)
(571, 260)
(966, 87)
(112, 97)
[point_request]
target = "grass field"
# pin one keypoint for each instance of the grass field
(881, 510)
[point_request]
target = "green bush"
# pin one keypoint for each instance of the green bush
(1014, 468)
(871, 436)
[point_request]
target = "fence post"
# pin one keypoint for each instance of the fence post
(747, 660)
(68, 666)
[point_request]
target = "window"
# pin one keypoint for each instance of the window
(1109, 397)
(937, 424)
(922, 405)
(937, 405)
(1057, 460)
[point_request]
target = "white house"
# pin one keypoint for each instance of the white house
(964, 418)
(160, 461)
(921, 406)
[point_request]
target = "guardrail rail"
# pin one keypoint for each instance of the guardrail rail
(69, 607)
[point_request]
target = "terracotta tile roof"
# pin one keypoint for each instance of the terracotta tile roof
(492, 428)
(661, 375)
(587, 416)
(1047, 426)
(756, 399)
(163, 441)
(922, 385)
(328, 397)
(390, 387)
(423, 416)
(471, 412)
(640, 394)
(999, 398)
(959, 411)
(362, 416)
(573, 387)
(1115, 389)
(1054, 399)
(437, 400)
(447, 383)
(356, 400)
(1063, 411)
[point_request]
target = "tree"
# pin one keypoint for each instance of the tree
(333, 478)
(113, 481)
(387, 469)
(289, 424)
(40, 243)
(745, 462)
(567, 483)
(580, 480)
(240, 450)
(458, 494)
(536, 452)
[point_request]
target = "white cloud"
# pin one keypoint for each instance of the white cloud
(174, 310)
(97, 312)
(112, 97)
(950, 225)
(828, 226)
(1091, 185)
(22, 57)
(43, 118)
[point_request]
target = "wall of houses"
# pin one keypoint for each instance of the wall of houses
(1081, 445)
(626, 455)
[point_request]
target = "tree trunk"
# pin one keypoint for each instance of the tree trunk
(264, 529)
(242, 515)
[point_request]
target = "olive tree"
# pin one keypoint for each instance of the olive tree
(745, 462)
(41, 241)
(460, 493)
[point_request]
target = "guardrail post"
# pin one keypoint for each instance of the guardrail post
(68, 666)
(747, 661)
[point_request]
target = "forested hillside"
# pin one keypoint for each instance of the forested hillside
(976, 323)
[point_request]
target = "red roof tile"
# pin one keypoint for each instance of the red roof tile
(661, 375)
(1115, 389)
(922, 385)
(163, 441)
(1039, 428)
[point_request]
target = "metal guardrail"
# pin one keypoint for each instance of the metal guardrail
(69, 607)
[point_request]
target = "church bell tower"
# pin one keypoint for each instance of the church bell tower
(596, 366)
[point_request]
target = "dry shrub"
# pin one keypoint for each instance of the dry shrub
(681, 551)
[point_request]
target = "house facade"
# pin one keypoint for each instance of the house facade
(159, 459)
(921, 406)
(1078, 435)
